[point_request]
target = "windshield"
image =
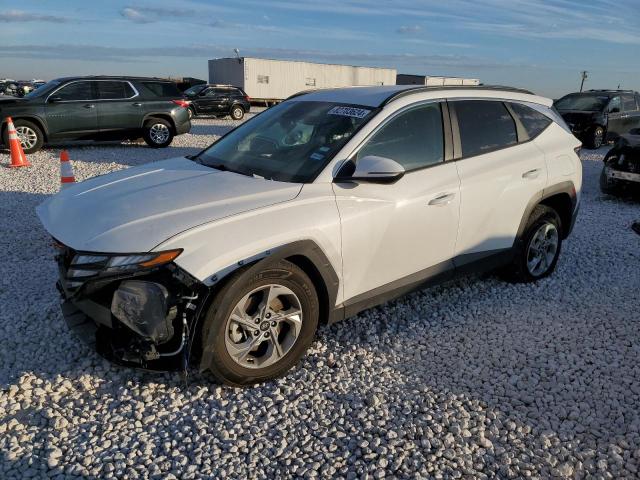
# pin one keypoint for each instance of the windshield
(291, 142)
(43, 90)
(193, 91)
(586, 103)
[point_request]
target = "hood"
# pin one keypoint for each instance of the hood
(135, 209)
(9, 100)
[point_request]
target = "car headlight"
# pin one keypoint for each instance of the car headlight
(88, 265)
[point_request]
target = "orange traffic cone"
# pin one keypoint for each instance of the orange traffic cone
(66, 170)
(18, 158)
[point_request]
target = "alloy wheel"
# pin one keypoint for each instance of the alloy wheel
(263, 326)
(159, 133)
(543, 248)
(27, 136)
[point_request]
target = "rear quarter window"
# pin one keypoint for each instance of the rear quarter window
(485, 126)
(533, 121)
(161, 89)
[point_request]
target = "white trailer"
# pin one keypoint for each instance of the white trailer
(428, 80)
(274, 80)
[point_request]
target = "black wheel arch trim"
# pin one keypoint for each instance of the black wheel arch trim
(322, 272)
(161, 115)
(566, 187)
(41, 123)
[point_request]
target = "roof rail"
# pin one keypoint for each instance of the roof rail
(421, 88)
(610, 90)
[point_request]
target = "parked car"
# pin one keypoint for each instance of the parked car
(312, 211)
(217, 100)
(599, 116)
(621, 169)
(97, 108)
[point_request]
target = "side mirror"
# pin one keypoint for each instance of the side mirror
(374, 169)
(54, 99)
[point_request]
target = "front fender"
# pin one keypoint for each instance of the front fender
(309, 226)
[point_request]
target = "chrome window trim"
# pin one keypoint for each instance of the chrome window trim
(135, 90)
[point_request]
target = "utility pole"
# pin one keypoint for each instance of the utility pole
(584, 74)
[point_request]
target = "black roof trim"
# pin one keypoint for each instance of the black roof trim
(609, 90)
(420, 88)
(298, 94)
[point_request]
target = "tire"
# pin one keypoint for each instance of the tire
(192, 112)
(237, 112)
(595, 139)
(221, 334)
(34, 140)
(157, 133)
(608, 185)
(542, 219)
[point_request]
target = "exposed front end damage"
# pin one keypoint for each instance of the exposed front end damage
(139, 317)
(622, 165)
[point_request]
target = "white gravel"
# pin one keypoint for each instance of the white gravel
(478, 379)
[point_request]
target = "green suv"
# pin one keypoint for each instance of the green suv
(97, 108)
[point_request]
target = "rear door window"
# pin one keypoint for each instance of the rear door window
(114, 90)
(414, 138)
(484, 126)
(76, 91)
(533, 121)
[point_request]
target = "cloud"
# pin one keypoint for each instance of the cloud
(404, 61)
(135, 15)
(11, 16)
(409, 29)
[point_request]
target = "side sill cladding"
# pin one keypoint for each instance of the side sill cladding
(317, 266)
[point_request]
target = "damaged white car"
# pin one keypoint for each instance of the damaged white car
(327, 204)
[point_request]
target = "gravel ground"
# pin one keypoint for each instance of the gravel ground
(478, 379)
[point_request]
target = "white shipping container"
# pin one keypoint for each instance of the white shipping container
(434, 81)
(264, 79)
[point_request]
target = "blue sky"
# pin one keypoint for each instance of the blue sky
(538, 44)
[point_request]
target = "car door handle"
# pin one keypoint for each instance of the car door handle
(137, 104)
(89, 105)
(531, 174)
(443, 199)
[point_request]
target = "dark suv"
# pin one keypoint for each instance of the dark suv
(598, 116)
(97, 108)
(218, 100)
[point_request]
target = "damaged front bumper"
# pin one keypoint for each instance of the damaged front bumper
(141, 318)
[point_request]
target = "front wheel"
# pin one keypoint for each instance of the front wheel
(537, 251)
(192, 112)
(608, 185)
(157, 133)
(29, 134)
(260, 324)
(595, 138)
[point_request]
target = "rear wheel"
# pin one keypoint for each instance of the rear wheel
(260, 324)
(30, 136)
(157, 133)
(538, 249)
(237, 112)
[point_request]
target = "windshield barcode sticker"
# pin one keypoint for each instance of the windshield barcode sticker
(349, 112)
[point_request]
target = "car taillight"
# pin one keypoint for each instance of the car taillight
(182, 103)
(246, 97)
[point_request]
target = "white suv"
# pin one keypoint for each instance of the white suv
(329, 203)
